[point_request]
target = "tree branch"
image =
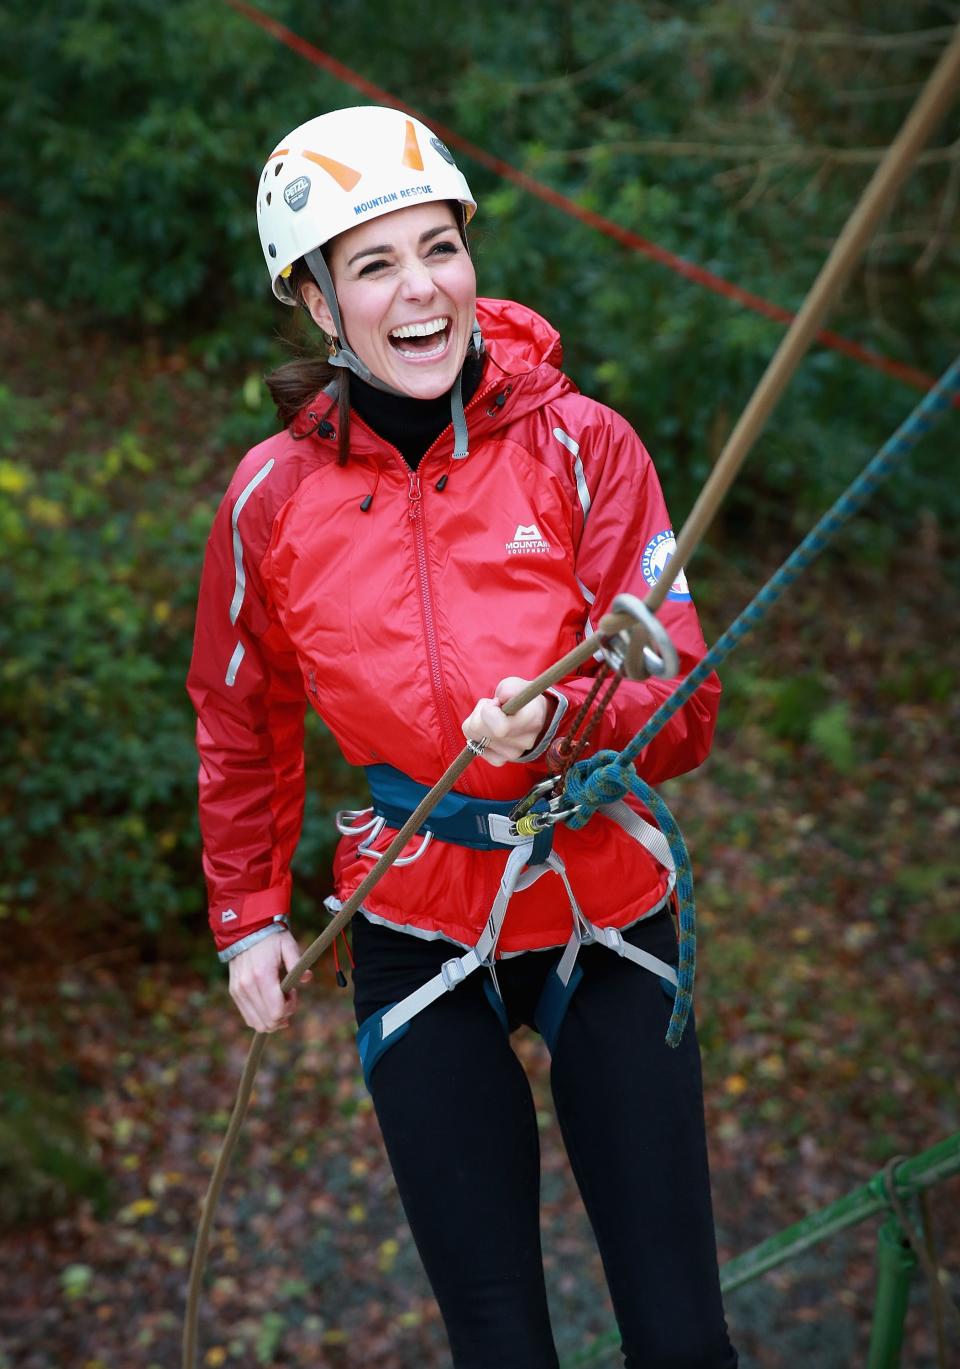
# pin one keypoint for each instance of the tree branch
(840, 39)
(941, 234)
(771, 152)
(575, 78)
(862, 97)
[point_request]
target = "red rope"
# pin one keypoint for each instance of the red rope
(899, 370)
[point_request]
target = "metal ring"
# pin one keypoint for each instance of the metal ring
(657, 656)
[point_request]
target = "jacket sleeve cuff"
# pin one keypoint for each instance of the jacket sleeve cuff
(233, 920)
(549, 732)
(279, 924)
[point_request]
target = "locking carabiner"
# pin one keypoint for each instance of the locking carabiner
(539, 791)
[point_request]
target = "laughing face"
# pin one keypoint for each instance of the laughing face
(407, 293)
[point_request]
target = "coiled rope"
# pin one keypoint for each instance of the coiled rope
(932, 103)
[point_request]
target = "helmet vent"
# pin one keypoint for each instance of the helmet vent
(269, 196)
(278, 168)
(272, 249)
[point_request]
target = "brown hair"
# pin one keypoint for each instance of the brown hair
(296, 382)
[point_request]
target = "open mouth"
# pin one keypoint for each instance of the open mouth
(421, 341)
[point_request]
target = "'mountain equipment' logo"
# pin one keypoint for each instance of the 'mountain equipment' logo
(526, 540)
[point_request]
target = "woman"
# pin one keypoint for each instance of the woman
(441, 518)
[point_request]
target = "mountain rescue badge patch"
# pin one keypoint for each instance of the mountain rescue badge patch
(656, 557)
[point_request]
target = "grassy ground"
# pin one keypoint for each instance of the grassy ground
(824, 831)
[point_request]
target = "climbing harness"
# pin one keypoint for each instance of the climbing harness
(525, 829)
(600, 779)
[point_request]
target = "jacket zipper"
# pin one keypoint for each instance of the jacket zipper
(454, 736)
(415, 511)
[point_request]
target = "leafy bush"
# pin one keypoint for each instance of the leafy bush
(95, 748)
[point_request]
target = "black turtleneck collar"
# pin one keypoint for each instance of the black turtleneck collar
(411, 425)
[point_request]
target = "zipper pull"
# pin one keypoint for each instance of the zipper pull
(413, 494)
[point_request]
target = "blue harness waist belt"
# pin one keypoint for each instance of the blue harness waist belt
(457, 818)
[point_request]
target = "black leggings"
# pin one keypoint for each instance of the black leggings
(458, 1120)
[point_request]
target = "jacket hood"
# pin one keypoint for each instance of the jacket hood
(518, 338)
(524, 356)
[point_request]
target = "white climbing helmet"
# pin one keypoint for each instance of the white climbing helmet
(342, 169)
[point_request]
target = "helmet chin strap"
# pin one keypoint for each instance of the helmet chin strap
(347, 358)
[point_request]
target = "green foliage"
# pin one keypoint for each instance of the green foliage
(98, 572)
(794, 709)
(830, 734)
(269, 1337)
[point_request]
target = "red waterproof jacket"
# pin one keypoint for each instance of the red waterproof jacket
(392, 616)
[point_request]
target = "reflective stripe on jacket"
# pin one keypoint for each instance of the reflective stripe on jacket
(392, 621)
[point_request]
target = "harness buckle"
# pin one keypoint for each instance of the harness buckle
(502, 830)
(452, 973)
(610, 937)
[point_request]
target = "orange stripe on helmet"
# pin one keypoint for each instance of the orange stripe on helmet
(345, 176)
(411, 149)
(280, 152)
